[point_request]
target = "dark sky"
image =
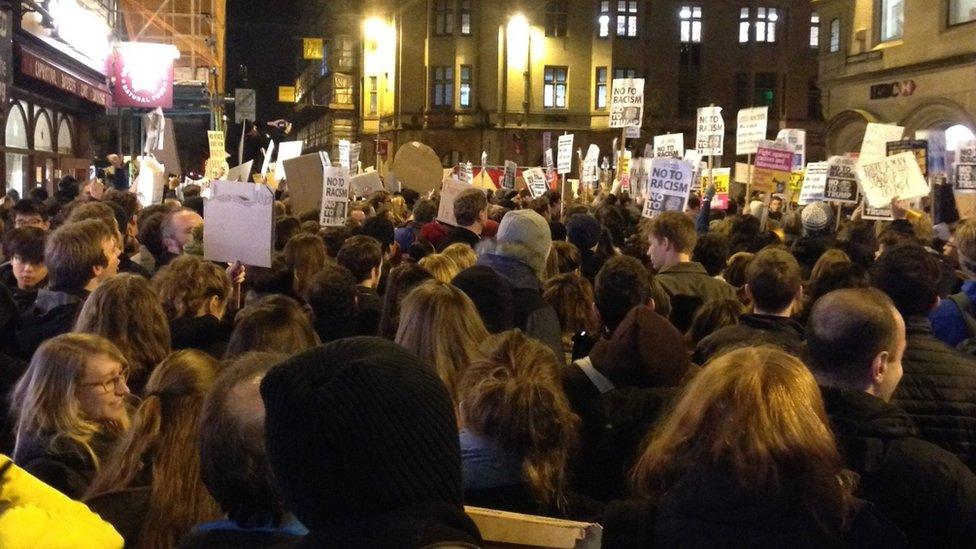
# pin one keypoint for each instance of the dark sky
(262, 34)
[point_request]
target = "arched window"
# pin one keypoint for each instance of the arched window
(43, 140)
(65, 139)
(16, 137)
(957, 135)
(16, 132)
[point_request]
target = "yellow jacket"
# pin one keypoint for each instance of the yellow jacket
(35, 516)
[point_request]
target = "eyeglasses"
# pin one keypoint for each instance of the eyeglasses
(110, 385)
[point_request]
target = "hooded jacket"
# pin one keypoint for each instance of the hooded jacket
(753, 329)
(52, 314)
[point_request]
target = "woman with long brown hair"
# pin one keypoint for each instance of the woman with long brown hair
(517, 431)
(305, 255)
(126, 311)
(195, 294)
(150, 487)
(747, 458)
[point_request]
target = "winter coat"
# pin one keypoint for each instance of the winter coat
(225, 534)
(205, 333)
(62, 464)
(126, 510)
(52, 314)
(752, 329)
(411, 527)
(459, 235)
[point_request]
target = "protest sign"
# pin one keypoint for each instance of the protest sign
(354, 150)
(305, 182)
(876, 138)
(671, 145)
(548, 161)
(626, 102)
(286, 151)
(796, 140)
(877, 214)
(450, 189)
(216, 142)
(344, 153)
(267, 157)
(632, 132)
(750, 130)
(623, 171)
(891, 178)
(546, 141)
(417, 167)
(508, 178)
(238, 224)
(796, 184)
(335, 196)
(814, 183)
(591, 172)
(365, 184)
(966, 153)
(668, 186)
(937, 161)
(915, 146)
(564, 158)
(711, 131)
(648, 150)
(640, 169)
(966, 177)
(720, 177)
(841, 180)
(741, 174)
(241, 173)
(217, 168)
(151, 181)
(772, 167)
(535, 180)
(465, 172)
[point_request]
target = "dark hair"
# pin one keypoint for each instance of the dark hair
(26, 242)
(712, 251)
(838, 276)
(910, 277)
(233, 462)
(72, 251)
(273, 323)
(128, 201)
(694, 201)
(846, 331)
(622, 284)
(711, 316)
(334, 237)
(39, 194)
(150, 235)
(285, 228)
(424, 211)
(399, 282)
(678, 228)
(68, 188)
(419, 249)
(29, 208)
(332, 294)
(735, 268)
(360, 254)
(774, 278)
(380, 228)
(743, 233)
(469, 205)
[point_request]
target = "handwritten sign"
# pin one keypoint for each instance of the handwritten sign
(841, 180)
(668, 186)
(335, 196)
(876, 138)
(891, 178)
(626, 102)
(814, 183)
(750, 129)
(711, 131)
(564, 157)
(671, 145)
(535, 180)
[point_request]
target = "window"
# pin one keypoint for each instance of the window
(764, 24)
(373, 95)
(624, 73)
(814, 31)
(557, 12)
(765, 90)
(465, 87)
(601, 88)
(627, 18)
(443, 87)
(604, 19)
(961, 11)
(834, 35)
(743, 25)
(741, 91)
(554, 89)
(691, 24)
(465, 15)
(892, 19)
(443, 17)
(691, 55)
(689, 91)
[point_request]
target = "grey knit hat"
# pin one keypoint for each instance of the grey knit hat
(530, 231)
(817, 217)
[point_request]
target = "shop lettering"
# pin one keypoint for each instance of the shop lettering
(893, 89)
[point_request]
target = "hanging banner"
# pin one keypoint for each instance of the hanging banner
(671, 145)
(711, 131)
(876, 138)
(814, 183)
(893, 178)
(143, 74)
(668, 186)
(627, 102)
(772, 167)
(335, 196)
(564, 156)
(917, 147)
(750, 130)
(796, 140)
(841, 180)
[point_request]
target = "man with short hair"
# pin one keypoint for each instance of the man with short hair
(471, 213)
(175, 231)
(856, 343)
(363, 257)
(79, 257)
(939, 387)
(27, 213)
(424, 211)
(774, 285)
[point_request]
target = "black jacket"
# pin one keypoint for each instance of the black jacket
(922, 488)
(753, 330)
(938, 391)
(125, 510)
(63, 465)
(459, 235)
(23, 299)
(370, 308)
(52, 314)
(205, 333)
(412, 527)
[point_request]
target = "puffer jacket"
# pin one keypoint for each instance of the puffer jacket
(938, 391)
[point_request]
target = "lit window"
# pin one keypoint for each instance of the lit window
(892, 19)
(814, 31)
(443, 87)
(627, 18)
(604, 19)
(465, 13)
(443, 17)
(766, 24)
(624, 73)
(373, 94)
(465, 87)
(834, 35)
(557, 13)
(691, 24)
(601, 87)
(554, 89)
(962, 11)
(743, 25)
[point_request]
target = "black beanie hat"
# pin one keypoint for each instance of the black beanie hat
(583, 231)
(491, 295)
(357, 428)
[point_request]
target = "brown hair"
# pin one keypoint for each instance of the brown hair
(774, 279)
(442, 267)
(305, 254)
(400, 280)
(513, 395)
(754, 414)
(163, 437)
(564, 257)
(678, 228)
(572, 297)
(462, 255)
(712, 315)
(186, 284)
(274, 323)
(829, 258)
(440, 323)
(468, 206)
(94, 210)
(126, 311)
(73, 251)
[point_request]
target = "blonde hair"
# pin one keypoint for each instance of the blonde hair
(44, 402)
(755, 414)
(462, 255)
(441, 266)
(187, 283)
(439, 323)
(513, 395)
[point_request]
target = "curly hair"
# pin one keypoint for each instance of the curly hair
(187, 283)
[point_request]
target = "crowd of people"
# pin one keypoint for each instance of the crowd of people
(757, 377)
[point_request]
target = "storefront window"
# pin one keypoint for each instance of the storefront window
(892, 19)
(42, 133)
(65, 141)
(16, 137)
(961, 11)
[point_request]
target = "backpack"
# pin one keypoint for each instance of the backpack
(965, 306)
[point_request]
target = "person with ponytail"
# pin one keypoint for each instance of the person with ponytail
(517, 431)
(150, 488)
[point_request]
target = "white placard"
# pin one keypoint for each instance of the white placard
(671, 145)
(335, 196)
(591, 172)
(450, 190)
(750, 129)
(711, 131)
(966, 152)
(286, 151)
(797, 141)
(365, 184)
(150, 182)
(548, 161)
(896, 177)
(564, 156)
(627, 102)
(267, 157)
(535, 180)
(354, 151)
(876, 138)
(465, 172)
(238, 223)
(814, 183)
(632, 132)
(344, 146)
(668, 186)
(242, 172)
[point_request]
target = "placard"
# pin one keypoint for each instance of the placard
(891, 178)
(238, 224)
(548, 161)
(966, 177)
(217, 146)
(938, 164)
(750, 130)
(150, 182)
(286, 151)
(841, 180)
(668, 186)
(966, 153)
(591, 172)
(465, 172)
(241, 172)
(354, 151)
(797, 141)
(344, 153)
(711, 131)
(450, 189)
(627, 102)
(535, 180)
(877, 214)
(772, 167)
(720, 177)
(671, 145)
(365, 184)
(305, 182)
(623, 171)
(267, 157)
(796, 184)
(876, 138)
(508, 177)
(564, 158)
(814, 183)
(918, 147)
(335, 196)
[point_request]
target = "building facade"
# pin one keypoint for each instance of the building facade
(466, 76)
(893, 61)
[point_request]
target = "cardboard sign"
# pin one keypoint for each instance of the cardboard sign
(742, 171)
(627, 102)
(877, 214)
(504, 529)
(668, 186)
(151, 181)
(750, 130)
(238, 224)
(711, 131)
(876, 138)
(335, 197)
(417, 167)
(305, 182)
(671, 145)
(564, 156)
(841, 180)
(772, 167)
(354, 151)
(365, 184)
(591, 172)
(217, 146)
(217, 168)
(450, 190)
(895, 177)
(286, 151)
(915, 146)
(241, 172)
(938, 164)
(508, 178)
(720, 178)
(796, 140)
(814, 183)
(535, 180)
(966, 177)
(344, 153)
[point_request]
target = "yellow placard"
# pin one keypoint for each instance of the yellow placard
(312, 48)
(286, 94)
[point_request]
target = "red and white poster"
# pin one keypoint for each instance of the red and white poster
(143, 75)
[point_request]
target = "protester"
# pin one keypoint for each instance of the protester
(491, 294)
(563, 258)
(28, 213)
(442, 267)
(175, 231)
(954, 320)
(363, 257)
(305, 255)
(424, 212)
(334, 303)
(856, 344)
(196, 312)
(471, 213)
(712, 317)
(593, 242)
(462, 255)
(818, 237)
(70, 407)
(571, 296)
(401, 280)
(274, 323)
(25, 272)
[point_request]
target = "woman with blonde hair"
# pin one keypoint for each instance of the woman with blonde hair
(194, 294)
(747, 455)
(126, 311)
(440, 324)
(69, 408)
(441, 266)
(517, 431)
(150, 487)
(305, 256)
(462, 255)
